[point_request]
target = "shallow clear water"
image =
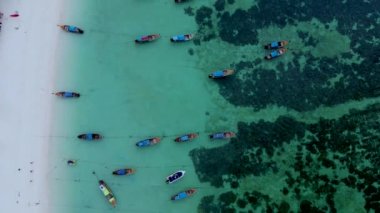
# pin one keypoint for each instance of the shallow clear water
(130, 92)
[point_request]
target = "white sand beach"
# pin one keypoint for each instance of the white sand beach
(28, 47)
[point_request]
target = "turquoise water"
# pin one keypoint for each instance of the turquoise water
(293, 115)
(130, 92)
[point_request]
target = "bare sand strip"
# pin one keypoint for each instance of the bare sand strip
(28, 47)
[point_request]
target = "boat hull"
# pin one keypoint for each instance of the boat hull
(184, 194)
(182, 38)
(72, 29)
(67, 94)
(121, 172)
(222, 135)
(175, 176)
(181, 1)
(276, 45)
(147, 38)
(186, 138)
(148, 142)
(90, 136)
(275, 54)
(221, 74)
(107, 193)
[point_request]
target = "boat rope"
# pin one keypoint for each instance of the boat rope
(134, 36)
(115, 166)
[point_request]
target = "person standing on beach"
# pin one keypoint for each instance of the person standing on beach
(71, 162)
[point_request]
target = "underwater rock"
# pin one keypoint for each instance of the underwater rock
(227, 198)
(219, 5)
(241, 203)
(189, 11)
(324, 140)
(284, 207)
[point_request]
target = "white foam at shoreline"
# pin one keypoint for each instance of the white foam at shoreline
(28, 44)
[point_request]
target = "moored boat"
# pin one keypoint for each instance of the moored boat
(90, 136)
(182, 38)
(186, 138)
(148, 142)
(107, 193)
(180, 1)
(221, 73)
(222, 135)
(123, 172)
(175, 176)
(147, 38)
(275, 54)
(71, 29)
(67, 94)
(276, 45)
(183, 194)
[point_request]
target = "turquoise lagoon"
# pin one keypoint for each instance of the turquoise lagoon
(131, 92)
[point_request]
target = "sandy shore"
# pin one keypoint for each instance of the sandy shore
(28, 46)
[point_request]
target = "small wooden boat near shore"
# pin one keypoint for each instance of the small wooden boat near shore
(90, 136)
(107, 193)
(67, 94)
(71, 29)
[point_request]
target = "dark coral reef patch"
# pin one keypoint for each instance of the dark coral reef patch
(293, 85)
(350, 144)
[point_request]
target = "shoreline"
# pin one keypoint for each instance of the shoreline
(28, 56)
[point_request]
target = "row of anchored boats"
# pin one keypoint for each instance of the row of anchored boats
(155, 140)
(139, 39)
(174, 177)
(108, 194)
(277, 49)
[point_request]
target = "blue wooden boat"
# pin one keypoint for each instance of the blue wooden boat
(71, 29)
(182, 38)
(148, 142)
(90, 136)
(183, 195)
(275, 54)
(221, 74)
(186, 138)
(222, 135)
(276, 45)
(67, 94)
(123, 172)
